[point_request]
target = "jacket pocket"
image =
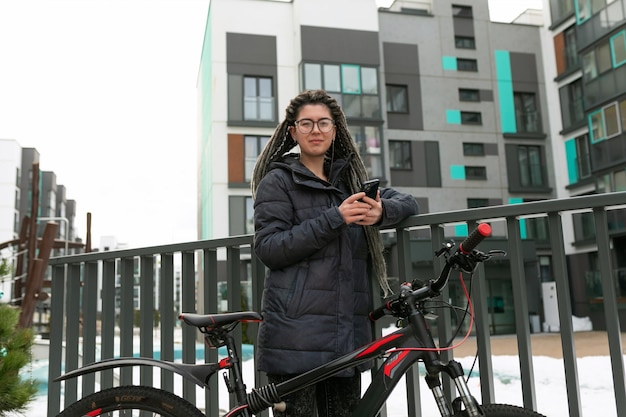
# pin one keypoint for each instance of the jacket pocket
(297, 290)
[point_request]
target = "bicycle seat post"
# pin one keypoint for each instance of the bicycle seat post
(238, 385)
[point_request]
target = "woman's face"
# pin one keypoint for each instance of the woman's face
(314, 130)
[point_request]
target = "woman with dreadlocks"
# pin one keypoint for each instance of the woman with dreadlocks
(316, 233)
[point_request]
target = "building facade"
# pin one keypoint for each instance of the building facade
(443, 104)
(588, 81)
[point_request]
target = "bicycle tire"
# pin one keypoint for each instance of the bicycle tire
(132, 398)
(505, 410)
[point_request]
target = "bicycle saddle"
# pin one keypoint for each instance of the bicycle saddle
(213, 321)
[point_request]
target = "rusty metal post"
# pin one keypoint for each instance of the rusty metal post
(36, 274)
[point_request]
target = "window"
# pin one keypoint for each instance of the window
(471, 118)
(603, 58)
(526, 114)
(473, 149)
(468, 94)
(475, 173)
(465, 42)
(249, 213)
(400, 154)
(604, 123)
(397, 99)
(461, 11)
(253, 145)
(477, 202)
(464, 64)
(571, 48)
(618, 49)
(572, 104)
(590, 71)
(355, 87)
(529, 160)
(367, 140)
(258, 100)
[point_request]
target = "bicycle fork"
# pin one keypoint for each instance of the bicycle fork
(465, 401)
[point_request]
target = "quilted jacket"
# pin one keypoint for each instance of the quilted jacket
(316, 297)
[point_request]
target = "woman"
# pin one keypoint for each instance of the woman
(316, 233)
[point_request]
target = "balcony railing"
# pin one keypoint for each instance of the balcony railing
(93, 318)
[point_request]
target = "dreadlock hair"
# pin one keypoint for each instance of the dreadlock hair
(343, 145)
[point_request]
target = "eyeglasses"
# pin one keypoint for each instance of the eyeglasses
(305, 126)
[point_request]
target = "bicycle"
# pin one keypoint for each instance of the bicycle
(400, 350)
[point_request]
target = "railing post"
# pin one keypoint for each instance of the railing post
(611, 314)
(55, 356)
(522, 325)
(559, 264)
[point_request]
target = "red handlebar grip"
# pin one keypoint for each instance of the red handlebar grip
(482, 231)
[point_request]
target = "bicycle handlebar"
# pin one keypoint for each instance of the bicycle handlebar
(460, 259)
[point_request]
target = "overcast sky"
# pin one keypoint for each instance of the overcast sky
(105, 90)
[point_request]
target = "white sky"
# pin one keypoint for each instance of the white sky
(105, 90)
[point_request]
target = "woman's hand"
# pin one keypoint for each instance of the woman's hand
(361, 210)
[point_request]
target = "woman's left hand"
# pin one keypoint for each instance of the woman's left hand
(375, 212)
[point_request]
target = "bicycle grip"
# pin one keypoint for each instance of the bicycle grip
(380, 311)
(482, 231)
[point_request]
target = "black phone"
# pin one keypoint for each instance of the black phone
(370, 188)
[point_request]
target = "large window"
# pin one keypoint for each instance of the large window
(354, 86)
(526, 114)
(253, 145)
(400, 154)
(397, 99)
(571, 48)
(258, 100)
(529, 160)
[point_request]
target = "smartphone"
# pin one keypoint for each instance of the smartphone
(370, 188)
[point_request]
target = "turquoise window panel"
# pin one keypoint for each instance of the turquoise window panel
(457, 172)
(504, 81)
(522, 222)
(460, 230)
(453, 117)
(571, 157)
(618, 49)
(449, 63)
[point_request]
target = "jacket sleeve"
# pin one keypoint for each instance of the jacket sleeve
(278, 240)
(397, 206)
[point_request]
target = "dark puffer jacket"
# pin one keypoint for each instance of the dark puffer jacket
(317, 292)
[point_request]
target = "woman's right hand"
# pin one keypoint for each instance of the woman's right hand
(352, 209)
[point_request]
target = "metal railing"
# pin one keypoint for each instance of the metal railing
(105, 305)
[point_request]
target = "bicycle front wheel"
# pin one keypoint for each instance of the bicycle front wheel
(132, 401)
(505, 410)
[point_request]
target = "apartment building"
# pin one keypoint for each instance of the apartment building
(443, 103)
(588, 83)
